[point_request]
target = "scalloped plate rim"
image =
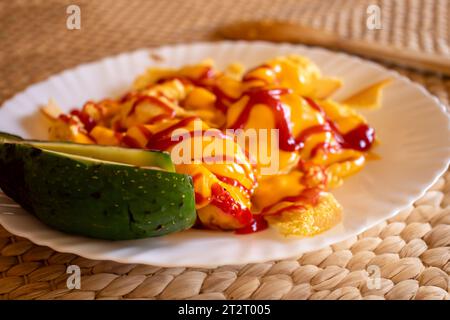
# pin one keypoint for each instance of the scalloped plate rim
(444, 163)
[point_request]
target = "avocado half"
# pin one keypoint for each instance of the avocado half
(97, 196)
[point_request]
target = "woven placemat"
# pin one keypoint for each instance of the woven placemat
(411, 250)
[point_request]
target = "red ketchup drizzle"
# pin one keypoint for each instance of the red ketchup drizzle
(119, 136)
(145, 132)
(314, 105)
(85, 119)
(234, 183)
(257, 224)
(167, 142)
(360, 138)
(162, 139)
(67, 119)
(207, 74)
(222, 199)
(305, 134)
(321, 146)
(153, 100)
(269, 71)
(130, 142)
(270, 98)
(221, 98)
(199, 198)
(280, 211)
(307, 196)
(196, 177)
(159, 118)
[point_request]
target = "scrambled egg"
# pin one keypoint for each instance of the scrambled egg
(321, 141)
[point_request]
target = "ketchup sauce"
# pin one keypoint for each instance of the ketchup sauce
(234, 183)
(270, 98)
(257, 224)
(85, 119)
(222, 199)
(360, 138)
(162, 139)
(154, 100)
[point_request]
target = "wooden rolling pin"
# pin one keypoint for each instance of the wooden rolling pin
(288, 32)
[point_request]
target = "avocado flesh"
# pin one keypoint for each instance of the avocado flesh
(96, 198)
(135, 157)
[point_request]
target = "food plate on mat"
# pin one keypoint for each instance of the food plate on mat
(111, 171)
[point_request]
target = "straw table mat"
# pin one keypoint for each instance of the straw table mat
(412, 249)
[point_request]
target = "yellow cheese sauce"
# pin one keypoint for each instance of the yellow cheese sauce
(318, 141)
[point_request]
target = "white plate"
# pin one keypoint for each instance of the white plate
(412, 125)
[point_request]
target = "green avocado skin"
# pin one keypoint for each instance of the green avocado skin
(94, 199)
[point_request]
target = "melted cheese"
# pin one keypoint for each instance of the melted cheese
(226, 192)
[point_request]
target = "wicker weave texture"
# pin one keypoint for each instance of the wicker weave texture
(412, 250)
(36, 43)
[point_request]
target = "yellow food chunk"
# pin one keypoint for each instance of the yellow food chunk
(285, 185)
(282, 174)
(104, 136)
(324, 87)
(152, 75)
(235, 71)
(93, 111)
(68, 130)
(200, 98)
(229, 86)
(82, 138)
(138, 134)
(308, 220)
(368, 98)
(51, 110)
